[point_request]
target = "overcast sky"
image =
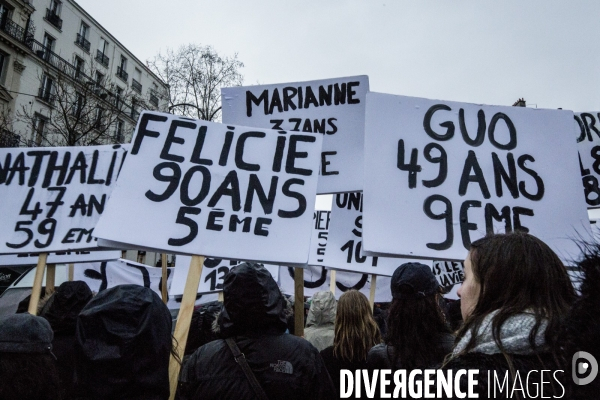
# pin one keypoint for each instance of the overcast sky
(477, 51)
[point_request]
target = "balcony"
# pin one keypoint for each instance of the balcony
(16, 32)
(57, 61)
(9, 139)
(135, 85)
(45, 95)
(53, 18)
(122, 74)
(83, 43)
(102, 58)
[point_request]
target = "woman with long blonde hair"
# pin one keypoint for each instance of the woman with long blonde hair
(356, 332)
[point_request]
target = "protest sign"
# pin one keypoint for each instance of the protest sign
(587, 125)
(52, 197)
(344, 245)
(60, 257)
(198, 187)
(318, 240)
(443, 174)
(213, 274)
(333, 108)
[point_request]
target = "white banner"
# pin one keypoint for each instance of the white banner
(334, 108)
(344, 246)
(587, 125)
(213, 274)
(62, 257)
(442, 174)
(198, 187)
(52, 197)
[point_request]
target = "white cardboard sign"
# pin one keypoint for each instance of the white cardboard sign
(441, 174)
(198, 187)
(52, 197)
(213, 274)
(334, 108)
(587, 125)
(318, 241)
(63, 257)
(344, 247)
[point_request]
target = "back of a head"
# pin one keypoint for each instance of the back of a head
(27, 367)
(517, 273)
(322, 309)
(123, 345)
(355, 329)
(67, 302)
(415, 320)
(252, 301)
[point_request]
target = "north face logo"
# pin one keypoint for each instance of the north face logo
(284, 367)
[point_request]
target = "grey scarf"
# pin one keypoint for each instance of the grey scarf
(514, 335)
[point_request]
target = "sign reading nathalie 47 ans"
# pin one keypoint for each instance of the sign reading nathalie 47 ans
(223, 191)
(442, 174)
(52, 197)
(334, 108)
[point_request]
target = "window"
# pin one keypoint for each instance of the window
(47, 89)
(99, 78)
(121, 69)
(136, 81)
(77, 105)
(3, 66)
(83, 30)
(98, 124)
(134, 113)
(39, 130)
(48, 46)
(119, 97)
(119, 129)
(82, 37)
(123, 63)
(79, 65)
(55, 6)
(53, 14)
(103, 46)
(5, 13)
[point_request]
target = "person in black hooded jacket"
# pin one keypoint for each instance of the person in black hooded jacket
(123, 346)
(254, 315)
(65, 305)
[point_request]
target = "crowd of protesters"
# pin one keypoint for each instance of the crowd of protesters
(519, 312)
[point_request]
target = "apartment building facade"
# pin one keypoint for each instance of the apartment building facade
(65, 80)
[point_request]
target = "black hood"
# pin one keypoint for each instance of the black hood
(123, 345)
(252, 302)
(66, 304)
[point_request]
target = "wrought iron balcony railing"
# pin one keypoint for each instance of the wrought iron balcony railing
(83, 43)
(53, 18)
(135, 85)
(102, 58)
(122, 74)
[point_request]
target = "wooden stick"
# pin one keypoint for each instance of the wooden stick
(50, 278)
(36, 291)
(299, 301)
(184, 319)
(71, 271)
(332, 281)
(165, 278)
(372, 294)
(220, 299)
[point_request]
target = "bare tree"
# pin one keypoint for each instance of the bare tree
(195, 75)
(85, 108)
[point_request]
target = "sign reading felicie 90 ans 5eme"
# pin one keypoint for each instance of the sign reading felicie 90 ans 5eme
(333, 108)
(203, 188)
(443, 174)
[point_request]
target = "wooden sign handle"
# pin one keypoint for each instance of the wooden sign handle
(71, 271)
(36, 291)
(50, 278)
(372, 294)
(165, 278)
(184, 319)
(332, 274)
(299, 301)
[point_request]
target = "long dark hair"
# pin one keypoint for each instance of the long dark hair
(414, 328)
(518, 273)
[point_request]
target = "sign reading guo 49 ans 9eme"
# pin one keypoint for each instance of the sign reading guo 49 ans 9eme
(52, 197)
(588, 143)
(197, 187)
(333, 108)
(443, 174)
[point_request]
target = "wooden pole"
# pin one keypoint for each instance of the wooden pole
(372, 294)
(332, 281)
(184, 319)
(71, 271)
(50, 278)
(165, 278)
(220, 298)
(299, 301)
(36, 291)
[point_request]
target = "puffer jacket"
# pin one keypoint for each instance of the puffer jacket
(123, 346)
(320, 323)
(254, 315)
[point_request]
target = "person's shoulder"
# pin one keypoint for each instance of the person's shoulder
(327, 353)
(378, 356)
